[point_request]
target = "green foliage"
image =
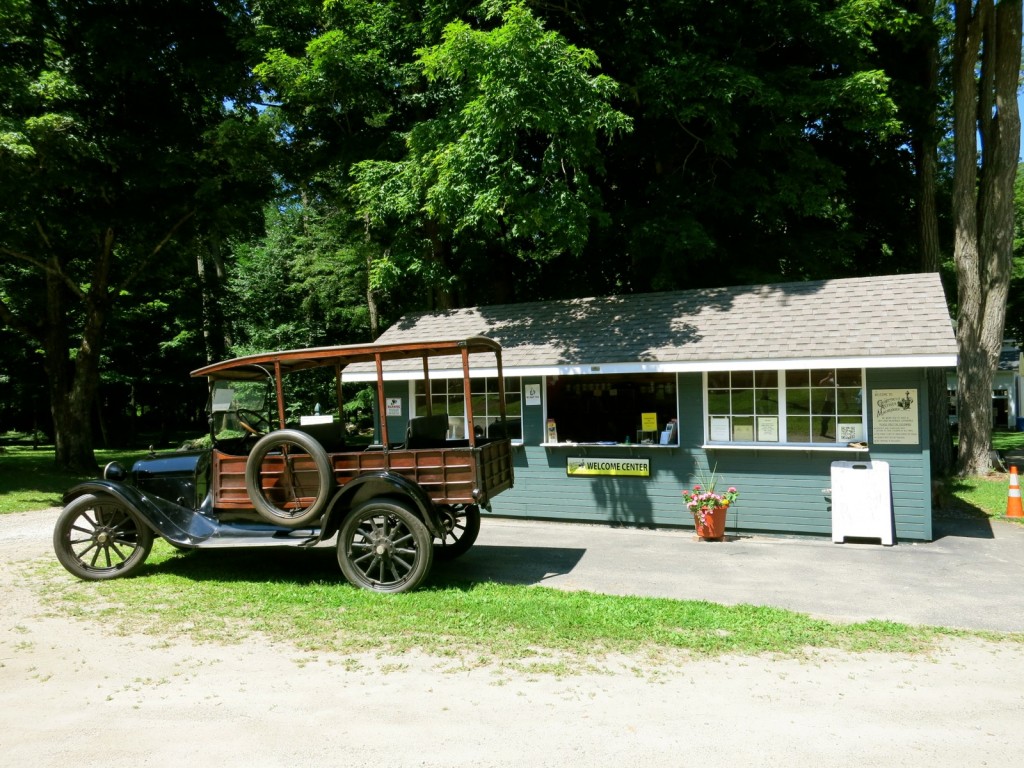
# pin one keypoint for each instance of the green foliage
(303, 285)
(509, 153)
(119, 152)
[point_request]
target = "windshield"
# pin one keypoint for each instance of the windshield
(234, 402)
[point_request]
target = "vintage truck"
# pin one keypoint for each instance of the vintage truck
(393, 504)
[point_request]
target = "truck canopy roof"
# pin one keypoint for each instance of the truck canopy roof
(255, 367)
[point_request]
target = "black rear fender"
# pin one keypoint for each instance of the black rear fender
(175, 523)
(381, 484)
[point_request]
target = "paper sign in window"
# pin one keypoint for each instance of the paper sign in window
(720, 428)
(768, 429)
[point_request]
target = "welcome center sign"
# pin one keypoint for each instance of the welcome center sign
(591, 467)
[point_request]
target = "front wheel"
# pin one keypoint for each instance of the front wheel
(383, 546)
(97, 538)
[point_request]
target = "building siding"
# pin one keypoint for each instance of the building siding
(781, 491)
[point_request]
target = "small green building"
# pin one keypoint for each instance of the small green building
(619, 403)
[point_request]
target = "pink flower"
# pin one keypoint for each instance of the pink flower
(731, 489)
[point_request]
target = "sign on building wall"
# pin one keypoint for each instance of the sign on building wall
(894, 417)
(594, 467)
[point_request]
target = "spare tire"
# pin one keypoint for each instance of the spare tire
(280, 480)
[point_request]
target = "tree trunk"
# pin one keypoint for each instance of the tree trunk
(927, 163)
(984, 113)
(72, 382)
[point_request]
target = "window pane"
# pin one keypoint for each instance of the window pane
(767, 402)
(742, 379)
(798, 429)
(798, 379)
(718, 401)
(825, 430)
(825, 377)
(718, 380)
(824, 401)
(849, 402)
(743, 401)
(513, 405)
(849, 377)
(767, 379)
(743, 428)
(493, 406)
(798, 401)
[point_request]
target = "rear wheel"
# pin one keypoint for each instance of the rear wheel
(461, 527)
(97, 538)
(383, 546)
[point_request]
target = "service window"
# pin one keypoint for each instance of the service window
(449, 396)
(611, 407)
(791, 406)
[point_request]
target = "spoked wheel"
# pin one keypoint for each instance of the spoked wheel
(289, 478)
(97, 537)
(461, 527)
(384, 547)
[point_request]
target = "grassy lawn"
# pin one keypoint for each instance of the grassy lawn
(227, 596)
(29, 479)
(300, 597)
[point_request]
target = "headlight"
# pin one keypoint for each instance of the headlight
(114, 471)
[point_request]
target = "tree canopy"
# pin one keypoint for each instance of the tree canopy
(181, 180)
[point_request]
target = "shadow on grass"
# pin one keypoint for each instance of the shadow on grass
(503, 565)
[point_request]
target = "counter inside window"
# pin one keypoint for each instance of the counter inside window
(613, 410)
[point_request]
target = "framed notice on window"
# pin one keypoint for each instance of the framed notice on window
(768, 429)
(720, 428)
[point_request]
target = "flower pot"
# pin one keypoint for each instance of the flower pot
(712, 528)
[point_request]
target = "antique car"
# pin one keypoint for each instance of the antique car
(393, 505)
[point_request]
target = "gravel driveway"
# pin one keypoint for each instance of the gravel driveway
(76, 693)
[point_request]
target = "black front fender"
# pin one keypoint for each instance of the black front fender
(175, 523)
(388, 484)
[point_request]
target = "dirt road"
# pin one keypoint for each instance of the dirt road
(76, 693)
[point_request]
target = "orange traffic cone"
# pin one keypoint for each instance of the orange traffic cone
(1013, 505)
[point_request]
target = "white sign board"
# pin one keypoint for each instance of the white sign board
(532, 393)
(394, 406)
(861, 501)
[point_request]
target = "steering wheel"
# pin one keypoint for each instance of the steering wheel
(252, 422)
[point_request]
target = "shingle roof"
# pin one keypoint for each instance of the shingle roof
(892, 316)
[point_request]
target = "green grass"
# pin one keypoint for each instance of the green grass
(30, 480)
(287, 595)
(1008, 441)
(978, 497)
(298, 597)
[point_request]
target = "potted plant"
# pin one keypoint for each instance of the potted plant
(709, 507)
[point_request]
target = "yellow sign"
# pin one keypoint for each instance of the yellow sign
(649, 422)
(591, 467)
